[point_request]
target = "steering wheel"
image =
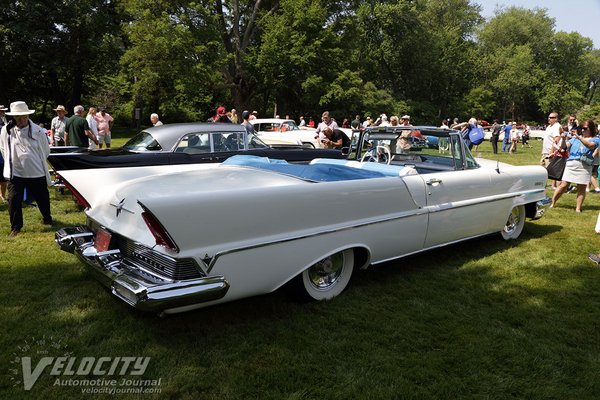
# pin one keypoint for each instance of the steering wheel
(379, 154)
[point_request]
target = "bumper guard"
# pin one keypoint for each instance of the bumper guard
(127, 281)
(540, 207)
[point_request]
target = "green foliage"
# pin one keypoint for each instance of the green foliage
(481, 102)
(559, 96)
(517, 79)
(298, 54)
(589, 112)
(432, 58)
(517, 26)
(170, 59)
(57, 52)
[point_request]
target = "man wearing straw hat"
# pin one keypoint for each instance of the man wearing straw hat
(57, 126)
(25, 148)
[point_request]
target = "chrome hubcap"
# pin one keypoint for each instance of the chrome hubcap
(513, 221)
(326, 272)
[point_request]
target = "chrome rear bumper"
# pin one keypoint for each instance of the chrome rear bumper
(130, 283)
(540, 207)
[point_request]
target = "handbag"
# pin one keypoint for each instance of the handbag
(476, 135)
(587, 160)
(556, 167)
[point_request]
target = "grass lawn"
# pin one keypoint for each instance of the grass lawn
(484, 319)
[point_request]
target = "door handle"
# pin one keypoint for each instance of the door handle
(434, 181)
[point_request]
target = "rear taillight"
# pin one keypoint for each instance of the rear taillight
(78, 197)
(161, 236)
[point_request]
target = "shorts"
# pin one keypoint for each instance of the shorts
(104, 139)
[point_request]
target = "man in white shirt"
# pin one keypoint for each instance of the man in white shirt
(551, 138)
(25, 148)
(367, 123)
(326, 122)
(154, 119)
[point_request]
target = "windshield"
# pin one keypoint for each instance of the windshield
(276, 126)
(143, 141)
(254, 142)
(442, 148)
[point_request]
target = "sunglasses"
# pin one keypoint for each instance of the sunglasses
(552, 117)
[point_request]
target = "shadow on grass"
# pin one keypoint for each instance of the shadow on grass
(463, 304)
(274, 305)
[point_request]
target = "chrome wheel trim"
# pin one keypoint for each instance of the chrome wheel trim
(325, 273)
(514, 223)
(328, 277)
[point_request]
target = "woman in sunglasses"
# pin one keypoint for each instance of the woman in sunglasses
(582, 143)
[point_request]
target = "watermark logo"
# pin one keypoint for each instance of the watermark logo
(93, 374)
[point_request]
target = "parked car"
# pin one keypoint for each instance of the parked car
(276, 128)
(65, 149)
(170, 239)
(183, 144)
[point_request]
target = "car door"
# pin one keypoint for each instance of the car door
(456, 199)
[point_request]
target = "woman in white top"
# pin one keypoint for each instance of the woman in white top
(91, 120)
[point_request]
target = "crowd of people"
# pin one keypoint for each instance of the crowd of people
(92, 130)
(24, 147)
(578, 144)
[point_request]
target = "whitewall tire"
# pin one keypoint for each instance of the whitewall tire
(327, 278)
(514, 224)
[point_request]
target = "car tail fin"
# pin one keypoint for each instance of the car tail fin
(161, 236)
(78, 197)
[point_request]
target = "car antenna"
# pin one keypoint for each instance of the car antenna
(497, 154)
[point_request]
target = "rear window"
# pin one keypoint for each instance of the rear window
(143, 141)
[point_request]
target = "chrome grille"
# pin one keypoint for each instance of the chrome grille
(150, 260)
(155, 262)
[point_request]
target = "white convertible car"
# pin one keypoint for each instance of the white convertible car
(169, 239)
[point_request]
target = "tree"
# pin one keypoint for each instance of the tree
(172, 62)
(451, 53)
(591, 61)
(299, 54)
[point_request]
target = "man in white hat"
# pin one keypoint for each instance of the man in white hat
(25, 148)
(405, 120)
(57, 126)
